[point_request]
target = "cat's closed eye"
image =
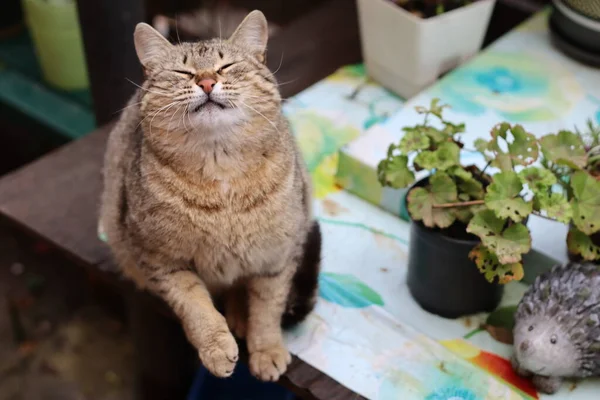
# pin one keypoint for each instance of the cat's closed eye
(187, 73)
(224, 67)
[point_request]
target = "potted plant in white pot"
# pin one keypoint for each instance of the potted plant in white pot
(468, 230)
(408, 44)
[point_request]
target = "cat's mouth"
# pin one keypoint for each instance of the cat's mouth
(207, 105)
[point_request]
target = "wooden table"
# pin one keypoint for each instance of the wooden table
(56, 198)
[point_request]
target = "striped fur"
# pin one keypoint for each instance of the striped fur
(214, 200)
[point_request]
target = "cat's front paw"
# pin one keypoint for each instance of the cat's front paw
(270, 364)
(220, 354)
(547, 384)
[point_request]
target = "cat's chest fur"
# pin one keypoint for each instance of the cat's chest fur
(229, 225)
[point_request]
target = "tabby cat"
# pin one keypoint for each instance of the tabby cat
(206, 196)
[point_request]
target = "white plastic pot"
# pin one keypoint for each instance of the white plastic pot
(405, 53)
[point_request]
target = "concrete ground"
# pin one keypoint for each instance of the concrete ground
(56, 343)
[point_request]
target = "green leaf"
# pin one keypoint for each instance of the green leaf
(413, 140)
(347, 291)
(467, 184)
(482, 146)
(437, 136)
(555, 205)
(500, 324)
(538, 179)
(565, 148)
(451, 129)
(502, 317)
(441, 189)
(491, 268)
(580, 243)
(465, 214)
(508, 244)
(446, 156)
(394, 172)
(522, 147)
(436, 108)
(503, 197)
(585, 202)
(460, 173)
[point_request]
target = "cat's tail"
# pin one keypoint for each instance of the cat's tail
(303, 295)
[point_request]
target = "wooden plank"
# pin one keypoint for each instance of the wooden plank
(56, 197)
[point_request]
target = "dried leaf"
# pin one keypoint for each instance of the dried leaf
(508, 244)
(581, 244)
(500, 333)
(490, 267)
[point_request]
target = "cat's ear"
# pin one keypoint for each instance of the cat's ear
(150, 45)
(253, 34)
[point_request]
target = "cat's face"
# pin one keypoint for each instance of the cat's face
(210, 86)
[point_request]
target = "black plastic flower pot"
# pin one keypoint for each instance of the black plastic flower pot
(442, 278)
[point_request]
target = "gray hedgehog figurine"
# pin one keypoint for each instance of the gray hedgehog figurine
(557, 327)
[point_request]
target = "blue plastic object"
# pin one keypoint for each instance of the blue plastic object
(240, 386)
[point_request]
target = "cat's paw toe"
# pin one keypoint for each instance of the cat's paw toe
(221, 355)
(268, 365)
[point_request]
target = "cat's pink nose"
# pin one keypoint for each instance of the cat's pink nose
(207, 85)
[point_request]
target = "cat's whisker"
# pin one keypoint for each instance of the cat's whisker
(286, 83)
(261, 114)
(147, 90)
(158, 111)
(186, 112)
(171, 119)
(177, 30)
(280, 64)
(131, 105)
(183, 112)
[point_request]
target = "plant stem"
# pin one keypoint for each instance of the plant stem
(543, 216)
(473, 333)
(460, 204)
(484, 168)
(480, 202)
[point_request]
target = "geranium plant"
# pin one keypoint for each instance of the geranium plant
(574, 160)
(547, 177)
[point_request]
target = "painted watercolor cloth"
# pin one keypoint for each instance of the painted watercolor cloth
(367, 332)
(522, 79)
(332, 113)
